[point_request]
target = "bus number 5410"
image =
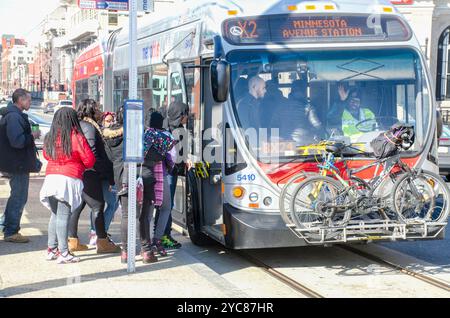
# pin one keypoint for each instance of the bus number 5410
(245, 177)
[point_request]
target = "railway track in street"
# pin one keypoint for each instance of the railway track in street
(425, 278)
(308, 292)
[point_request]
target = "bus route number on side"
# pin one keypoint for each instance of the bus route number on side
(246, 177)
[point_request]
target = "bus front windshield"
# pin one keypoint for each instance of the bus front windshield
(294, 100)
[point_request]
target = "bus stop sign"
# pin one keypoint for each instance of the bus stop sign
(134, 131)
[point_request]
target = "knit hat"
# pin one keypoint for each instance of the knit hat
(156, 120)
(174, 114)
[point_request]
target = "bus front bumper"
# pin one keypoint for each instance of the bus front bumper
(256, 230)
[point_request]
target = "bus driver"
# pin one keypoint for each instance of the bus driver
(347, 113)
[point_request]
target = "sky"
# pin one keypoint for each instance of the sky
(22, 17)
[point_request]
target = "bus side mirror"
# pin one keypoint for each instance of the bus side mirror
(220, 80)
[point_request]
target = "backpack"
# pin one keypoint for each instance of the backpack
(388, 143)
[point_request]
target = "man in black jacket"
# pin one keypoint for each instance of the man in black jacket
(18, 159)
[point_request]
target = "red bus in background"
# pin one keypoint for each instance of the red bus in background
(92, 75)
(88, 75)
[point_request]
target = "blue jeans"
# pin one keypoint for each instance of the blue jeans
(58, 227)
(163, 213)
(172, 180)
(112, 203)
(19, 184)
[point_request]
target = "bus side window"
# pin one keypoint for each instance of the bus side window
(192, 85)
(177, 92)
(159, 86)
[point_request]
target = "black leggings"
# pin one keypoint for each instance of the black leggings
(97, 208)
(143, 214)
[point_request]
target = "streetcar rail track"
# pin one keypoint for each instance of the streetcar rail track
(425, 278)
(280, 276)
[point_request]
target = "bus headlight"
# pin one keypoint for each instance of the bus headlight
(267, 201)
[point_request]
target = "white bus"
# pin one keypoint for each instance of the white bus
(323, 52)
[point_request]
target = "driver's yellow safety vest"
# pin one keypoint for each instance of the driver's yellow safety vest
(349, 122)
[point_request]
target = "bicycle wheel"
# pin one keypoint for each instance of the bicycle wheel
(308, 206)
(286, 195)
(421, 197)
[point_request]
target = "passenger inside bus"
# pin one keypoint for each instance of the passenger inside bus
(249, 105)
(272, 102)
(297, 118)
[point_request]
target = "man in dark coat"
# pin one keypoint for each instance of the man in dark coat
(18, 158)
(176, 116)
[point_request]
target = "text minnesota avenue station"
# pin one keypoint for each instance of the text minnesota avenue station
(322, 28)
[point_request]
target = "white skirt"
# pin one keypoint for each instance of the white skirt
(63, 188)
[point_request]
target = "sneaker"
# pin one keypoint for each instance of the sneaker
(52, 253)
(67, 258)
(159, 248)
(169, 243)
(17, 238)
(92, 238)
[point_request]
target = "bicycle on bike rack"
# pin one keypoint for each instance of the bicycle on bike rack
(337, 208)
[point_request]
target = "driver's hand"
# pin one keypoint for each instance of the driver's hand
(343, 94)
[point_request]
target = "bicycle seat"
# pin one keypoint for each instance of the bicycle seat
(335, 148)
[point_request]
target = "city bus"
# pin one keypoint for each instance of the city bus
(239, 64)
(88, 74)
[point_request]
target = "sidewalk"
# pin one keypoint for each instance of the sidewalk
(188, 272)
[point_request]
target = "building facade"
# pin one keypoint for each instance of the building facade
(430, 21)
(71, 30)
(15, 57)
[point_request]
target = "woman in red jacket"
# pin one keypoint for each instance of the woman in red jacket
(69, 155)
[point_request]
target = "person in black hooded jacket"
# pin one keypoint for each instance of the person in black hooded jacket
(92, 181)
(176, 116)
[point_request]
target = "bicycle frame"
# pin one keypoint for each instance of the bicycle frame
(387, 165)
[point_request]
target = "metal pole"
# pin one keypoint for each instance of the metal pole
(132, 166)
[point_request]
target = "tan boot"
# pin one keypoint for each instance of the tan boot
(75, 246)
(106, 246)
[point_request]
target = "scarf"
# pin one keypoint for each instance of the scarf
(159, 186)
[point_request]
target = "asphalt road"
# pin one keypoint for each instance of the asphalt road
(434, 251)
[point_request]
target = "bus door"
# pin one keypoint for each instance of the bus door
(176, 92)
(212, 153)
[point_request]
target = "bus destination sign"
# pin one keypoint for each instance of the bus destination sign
(279, 29)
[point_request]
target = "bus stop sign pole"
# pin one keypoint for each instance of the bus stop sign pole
(131, 266)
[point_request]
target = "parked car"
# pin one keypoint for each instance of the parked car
(63, 103)
(444, 152)
(49, 108)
